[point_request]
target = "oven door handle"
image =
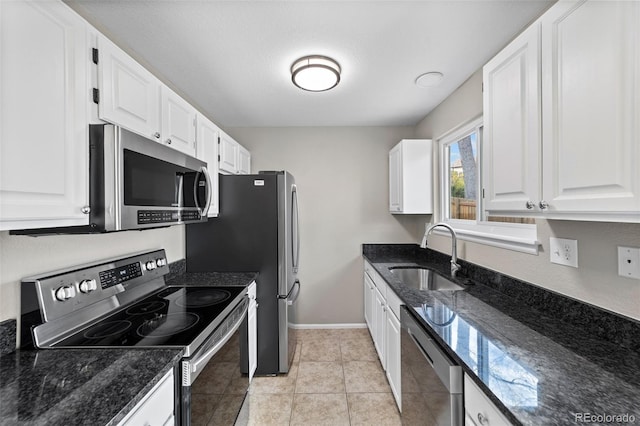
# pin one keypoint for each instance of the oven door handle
(191, 369)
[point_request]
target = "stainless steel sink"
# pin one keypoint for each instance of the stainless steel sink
(424, 279)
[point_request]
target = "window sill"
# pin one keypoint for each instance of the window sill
(522, 238)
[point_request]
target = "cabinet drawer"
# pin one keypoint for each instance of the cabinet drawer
(377, 280)
(479, 410)
(393, 302)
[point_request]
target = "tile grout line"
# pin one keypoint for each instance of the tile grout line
(344, 379)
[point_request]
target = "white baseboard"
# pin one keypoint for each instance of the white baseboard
(327, 326)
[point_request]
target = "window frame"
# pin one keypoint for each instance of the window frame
(513, 236)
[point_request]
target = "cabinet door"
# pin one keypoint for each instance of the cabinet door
(244, 161)
(44, 102)
(178, 122)
(393, 355)
(129, 94)
(379, 326)
(156, 408)
(591, 105)
(478, 407)
(368, 302)
(511, 142)
(207, 151)
(228, 155)
(395, 179)
(252, 331)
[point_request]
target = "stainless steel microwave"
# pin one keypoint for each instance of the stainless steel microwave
(138, 183)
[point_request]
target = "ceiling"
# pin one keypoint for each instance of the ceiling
(231, 59)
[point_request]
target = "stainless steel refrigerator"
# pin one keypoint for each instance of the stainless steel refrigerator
(257, 231)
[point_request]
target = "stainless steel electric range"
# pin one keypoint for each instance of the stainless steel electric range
(125, 303)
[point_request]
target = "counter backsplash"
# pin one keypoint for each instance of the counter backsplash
(597, 321)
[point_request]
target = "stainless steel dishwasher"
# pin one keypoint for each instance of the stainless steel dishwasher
(431, 381)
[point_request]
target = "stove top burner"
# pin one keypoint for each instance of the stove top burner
(167, 325)
(146, 307)
(201, 298)
(107, 329)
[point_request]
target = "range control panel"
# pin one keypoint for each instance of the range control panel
(63, 292)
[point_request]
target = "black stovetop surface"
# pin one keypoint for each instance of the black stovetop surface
(171, 317)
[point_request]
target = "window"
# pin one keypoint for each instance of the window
(461, 200)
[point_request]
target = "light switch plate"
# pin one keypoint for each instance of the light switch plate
(629, 262)
(563, 251)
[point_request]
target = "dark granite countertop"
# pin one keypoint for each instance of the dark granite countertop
(538, 367)
(78, 386)
(89, 386)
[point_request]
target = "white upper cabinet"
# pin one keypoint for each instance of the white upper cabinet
(178, 122)
(132, 97)
(410, 177)
(511, 145)
(207, 143)
(228, 154)
(129, 94)
(591, 108)
(585, 163)
(234, 158)
(44, 103)
(244, 161)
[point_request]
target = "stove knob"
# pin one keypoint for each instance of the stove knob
(64, 293)
(161, 261)
(87, 286)
(150, 265)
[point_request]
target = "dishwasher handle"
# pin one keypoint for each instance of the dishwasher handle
(449, 373)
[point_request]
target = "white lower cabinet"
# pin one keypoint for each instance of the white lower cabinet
(156, 408)
(44, 138)
(478, 409)
(252, 330)
(379, 319)
(382, 313)
(392, 339)
(368, 300)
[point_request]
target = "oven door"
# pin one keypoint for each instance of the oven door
(212, 382)
(431, 383)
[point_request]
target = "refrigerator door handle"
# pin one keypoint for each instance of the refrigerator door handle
(293, 294)
(295, 227)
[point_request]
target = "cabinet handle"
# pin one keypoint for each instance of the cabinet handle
(482, 419)
(530, 205)
(86, 209)
(156, 135)
(544, 205)
(169, 141)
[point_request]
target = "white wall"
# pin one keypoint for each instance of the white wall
(342, 176)
(23, 256)
(596, 281)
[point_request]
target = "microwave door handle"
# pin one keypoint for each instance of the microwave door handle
(203, 211)
(179, 189)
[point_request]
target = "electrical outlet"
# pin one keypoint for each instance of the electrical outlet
(563, 251)
(629, 262)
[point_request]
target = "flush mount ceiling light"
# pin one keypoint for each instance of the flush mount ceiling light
(315, 73)
(429, 79)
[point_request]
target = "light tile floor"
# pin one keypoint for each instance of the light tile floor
(336, 379)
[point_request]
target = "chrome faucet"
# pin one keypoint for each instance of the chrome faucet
(454, 245)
